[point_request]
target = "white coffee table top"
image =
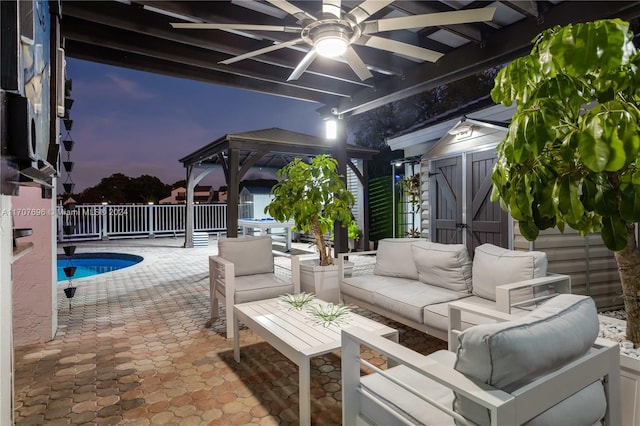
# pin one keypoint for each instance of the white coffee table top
(298, 329)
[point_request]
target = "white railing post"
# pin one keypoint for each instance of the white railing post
(151, 207)
(103, 222)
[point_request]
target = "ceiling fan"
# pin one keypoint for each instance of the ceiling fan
(336, 32)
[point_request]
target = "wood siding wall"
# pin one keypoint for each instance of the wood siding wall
(591, 265)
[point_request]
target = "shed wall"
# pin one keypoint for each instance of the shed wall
(587, 260)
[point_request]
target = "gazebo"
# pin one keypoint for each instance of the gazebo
(237, 153)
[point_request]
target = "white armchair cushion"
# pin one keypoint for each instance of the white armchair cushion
(509, 355)
(443, 265)
(394, 258)
(494, 266)
(250, 255)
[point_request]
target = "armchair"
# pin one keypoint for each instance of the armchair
(541, 369)
(243, 271)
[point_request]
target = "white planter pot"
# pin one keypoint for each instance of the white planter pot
(323, 281)
(629, 383)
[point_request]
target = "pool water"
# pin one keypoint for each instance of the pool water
(89, 264)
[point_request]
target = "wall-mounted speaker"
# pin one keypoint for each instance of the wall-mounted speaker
(20, 145)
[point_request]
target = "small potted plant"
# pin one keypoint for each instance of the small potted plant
(353, 234)
(314, 196)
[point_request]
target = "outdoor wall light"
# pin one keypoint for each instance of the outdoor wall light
(462, 131)
(331, 129)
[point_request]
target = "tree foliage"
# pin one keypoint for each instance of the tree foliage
(314, 196)
(570, 155)
(120, 189)
(373, 127)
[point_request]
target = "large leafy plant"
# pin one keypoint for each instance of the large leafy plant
(570, 156)
(314, 196)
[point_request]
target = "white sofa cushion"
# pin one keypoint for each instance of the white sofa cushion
(394, 258)
(509, 355)
(408, 301)
(364, 287)
(443, 265)
(494, 266)
(250, 255)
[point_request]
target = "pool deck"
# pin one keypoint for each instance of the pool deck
(132, 348)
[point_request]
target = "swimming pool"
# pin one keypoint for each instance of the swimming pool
(88, 264)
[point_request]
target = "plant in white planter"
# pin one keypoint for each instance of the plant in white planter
(571, 154)
(315, 197)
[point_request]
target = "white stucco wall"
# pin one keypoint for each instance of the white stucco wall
(33, 282)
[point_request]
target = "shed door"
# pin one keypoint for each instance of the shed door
(446, 187)
(486, 221)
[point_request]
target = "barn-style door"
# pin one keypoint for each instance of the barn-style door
(461, 207)
(486, 221)
(446, 187)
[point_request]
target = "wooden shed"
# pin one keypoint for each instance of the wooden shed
(456, 160)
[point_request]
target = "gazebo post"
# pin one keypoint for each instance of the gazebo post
(191, 186)
(188, 227)
(365, 205)
(232, 194)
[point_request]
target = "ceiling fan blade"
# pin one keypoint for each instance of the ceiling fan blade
(332, 7)
(261, 51)
(303, 65)
(292, 9)
(429, 20)
(367, 8)
(400, 48)
(356, 64)
(240, 27)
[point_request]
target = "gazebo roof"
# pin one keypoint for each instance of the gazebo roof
(279, 147)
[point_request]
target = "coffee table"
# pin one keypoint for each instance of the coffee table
(294, 334)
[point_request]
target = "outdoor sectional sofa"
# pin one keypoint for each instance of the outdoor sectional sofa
(414, 281)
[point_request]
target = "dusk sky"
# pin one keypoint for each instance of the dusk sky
(137, 123)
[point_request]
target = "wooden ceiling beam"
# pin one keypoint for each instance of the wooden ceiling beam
(100, 35)
(125, 17)
(501, 46)
(89, 52)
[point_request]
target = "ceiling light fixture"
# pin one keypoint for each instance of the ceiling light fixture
(331, 46)
(330, 38)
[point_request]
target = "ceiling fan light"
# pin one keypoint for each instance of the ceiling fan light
(331, 46)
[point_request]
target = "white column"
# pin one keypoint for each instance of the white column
(6, 313)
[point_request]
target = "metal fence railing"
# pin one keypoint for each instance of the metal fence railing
(94, 222)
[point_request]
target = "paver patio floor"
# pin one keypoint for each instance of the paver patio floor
(132, 348)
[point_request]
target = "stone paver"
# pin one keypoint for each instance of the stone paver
(132, 349)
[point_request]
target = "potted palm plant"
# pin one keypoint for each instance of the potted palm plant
(571, 156)
(314, 196)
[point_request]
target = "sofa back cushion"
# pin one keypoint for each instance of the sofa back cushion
(512, 354)
(443, 265)
(250, 255)
(394, 258)
(494, 266)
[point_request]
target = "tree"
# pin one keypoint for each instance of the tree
(570, 156)
(119, 189)
(145, 188)
(373, 127)
(314, 196)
